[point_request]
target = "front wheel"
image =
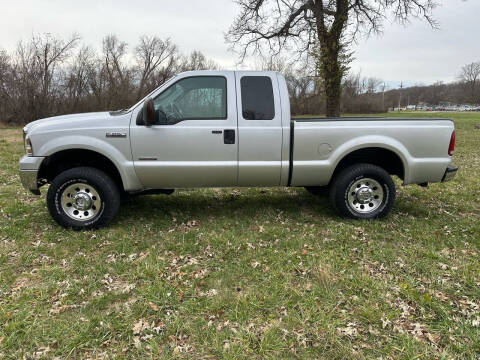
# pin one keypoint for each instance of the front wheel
(363, 191)
(83, 198)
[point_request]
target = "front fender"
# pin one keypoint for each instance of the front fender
(120, 158)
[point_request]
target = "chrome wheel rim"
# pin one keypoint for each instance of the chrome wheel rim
(365, 195)
(81, 202)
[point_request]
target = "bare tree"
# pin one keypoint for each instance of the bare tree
(372, 85)
(274, 63)
(469, 75)
(361, 94)
(198, 61)
(35, 68)
(50, 52)
(76, 83)
(5, 84)
(114, 51)
(49, 75)
(118, 73)
(325, 26)
(302, 83)
(151, 53)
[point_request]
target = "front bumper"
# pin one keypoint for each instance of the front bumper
(450, 173)
(28, 170)
(29, 180)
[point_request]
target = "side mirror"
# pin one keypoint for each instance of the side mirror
(148, 112)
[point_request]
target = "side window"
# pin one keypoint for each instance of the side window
(257, 98)
(194, 98)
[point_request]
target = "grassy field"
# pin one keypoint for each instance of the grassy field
(245, 273)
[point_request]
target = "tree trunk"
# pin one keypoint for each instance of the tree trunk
(332, 76)
(473, 90)
(331, 65)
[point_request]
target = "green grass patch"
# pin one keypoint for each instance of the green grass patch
(246, 273)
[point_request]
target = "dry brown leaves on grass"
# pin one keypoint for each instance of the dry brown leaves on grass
(144, 330)
(406, 325)
(20, 285)
(40, 353)
(209, 293)
(185, 227)
(153, 306)
(184, 268)
(116, 284)
(58, 308)
(468, 309)
(133, 258)
(350, 330)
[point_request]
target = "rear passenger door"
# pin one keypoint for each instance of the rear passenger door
(259, 129)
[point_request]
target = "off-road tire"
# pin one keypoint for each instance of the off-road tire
(103, 185)
(341, 186)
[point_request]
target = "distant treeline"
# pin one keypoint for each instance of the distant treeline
(440, 93)
(370, 95)
(48, 76)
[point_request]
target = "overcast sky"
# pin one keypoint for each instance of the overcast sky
(413, 54)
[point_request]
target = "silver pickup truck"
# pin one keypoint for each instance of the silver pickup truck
(225, 129)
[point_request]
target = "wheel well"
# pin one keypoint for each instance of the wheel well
(384, 158)
(57, 163)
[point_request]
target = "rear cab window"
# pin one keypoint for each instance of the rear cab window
(257, 98)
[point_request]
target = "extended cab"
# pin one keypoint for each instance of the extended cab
(225, 129)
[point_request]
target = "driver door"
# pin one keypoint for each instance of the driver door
(194, 141)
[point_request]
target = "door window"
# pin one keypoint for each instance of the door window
(193, 98)
(257, 98)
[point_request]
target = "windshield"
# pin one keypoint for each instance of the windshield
(150, 94)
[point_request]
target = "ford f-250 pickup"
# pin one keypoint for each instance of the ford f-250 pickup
(227, 129)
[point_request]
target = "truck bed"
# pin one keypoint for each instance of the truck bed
(318, 144)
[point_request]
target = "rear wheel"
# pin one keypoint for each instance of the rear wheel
(83, 198)
(363, 191)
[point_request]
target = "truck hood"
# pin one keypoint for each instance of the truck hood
(66, 122)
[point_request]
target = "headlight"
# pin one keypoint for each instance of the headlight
(28, 145)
